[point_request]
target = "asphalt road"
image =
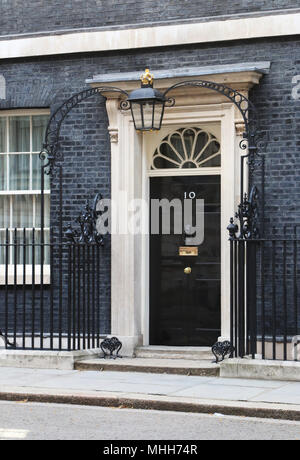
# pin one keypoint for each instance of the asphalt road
(34, 421)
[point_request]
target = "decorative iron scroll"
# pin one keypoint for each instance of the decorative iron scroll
(232, 229)
(221, 350)
(51, 150)
(248, 217)
(170, 102)
(245, 106)
(87, 221)
(7, 342)
(111, 345)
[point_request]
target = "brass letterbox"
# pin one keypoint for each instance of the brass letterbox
(188, 250)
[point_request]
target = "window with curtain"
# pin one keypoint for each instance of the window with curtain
(21, 138)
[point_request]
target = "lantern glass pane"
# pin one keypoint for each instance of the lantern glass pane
(148, 115)
(137, 116)
(158, 108)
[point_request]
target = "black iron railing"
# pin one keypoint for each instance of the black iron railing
(50, 292)
(265, 297)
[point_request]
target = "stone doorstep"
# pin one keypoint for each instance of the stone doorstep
(93, 360)
(260, 369)
(148, 365)
(167, 352)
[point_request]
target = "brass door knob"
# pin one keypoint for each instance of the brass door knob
(187, 270)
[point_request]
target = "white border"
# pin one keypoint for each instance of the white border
(144, 37)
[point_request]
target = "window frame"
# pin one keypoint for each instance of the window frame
(184, 157)
(32, 192)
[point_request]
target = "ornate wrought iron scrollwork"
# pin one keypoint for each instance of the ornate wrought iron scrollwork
(232, 229)
(7, 342)
(170, 102)
(256, 143)
(221, 350)
(87, 221)
(51, 152)
(111, 345)
(245, 106)
(248, 217)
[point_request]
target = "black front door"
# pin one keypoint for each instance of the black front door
(185, 305)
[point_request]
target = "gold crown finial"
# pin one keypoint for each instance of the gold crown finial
(147, 78)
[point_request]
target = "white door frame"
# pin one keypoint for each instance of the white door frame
(130, 176)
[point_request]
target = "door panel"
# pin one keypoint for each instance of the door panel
(185, 308)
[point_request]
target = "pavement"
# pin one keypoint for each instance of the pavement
(255, 398)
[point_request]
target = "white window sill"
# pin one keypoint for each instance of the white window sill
(28, 275)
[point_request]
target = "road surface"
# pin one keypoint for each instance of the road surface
(35, 421)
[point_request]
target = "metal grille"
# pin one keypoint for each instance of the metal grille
(55, 306)
(265, 299)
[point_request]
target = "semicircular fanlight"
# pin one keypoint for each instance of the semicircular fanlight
(187, 148)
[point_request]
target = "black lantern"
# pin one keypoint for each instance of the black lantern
(147, 105)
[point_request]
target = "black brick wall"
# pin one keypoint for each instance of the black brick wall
(25, 16)
(47, 82)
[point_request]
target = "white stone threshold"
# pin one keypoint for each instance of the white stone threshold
(173, 353)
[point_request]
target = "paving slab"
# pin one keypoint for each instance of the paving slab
(153, 391)
(220, 392)
(287, 394)
(248, 383)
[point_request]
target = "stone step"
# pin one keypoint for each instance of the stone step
(156, 366)
(160, 352)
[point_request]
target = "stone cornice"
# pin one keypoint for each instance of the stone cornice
(240, 80)
(271, 25)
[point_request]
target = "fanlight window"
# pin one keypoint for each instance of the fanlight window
(188, 148)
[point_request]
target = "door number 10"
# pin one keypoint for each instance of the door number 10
(190, 195)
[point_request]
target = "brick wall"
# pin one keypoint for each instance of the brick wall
(26, 16)
(47, 82)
